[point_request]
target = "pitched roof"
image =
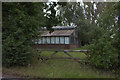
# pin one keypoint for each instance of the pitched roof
(58, 33)
(60, 27)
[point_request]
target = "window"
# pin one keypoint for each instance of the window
(52, 40)
(66, 40)
(48, 40)
(43, 39)
(57, 40)
(61, 40)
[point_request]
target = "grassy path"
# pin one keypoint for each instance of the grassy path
(58, 68)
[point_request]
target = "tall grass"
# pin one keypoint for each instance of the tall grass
(58, 68)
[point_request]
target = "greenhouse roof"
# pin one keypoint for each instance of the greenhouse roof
(58, 33)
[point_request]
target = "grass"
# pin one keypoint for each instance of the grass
(62, 54)
(58, 68)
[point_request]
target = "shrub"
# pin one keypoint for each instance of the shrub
(20, 27)
(16, 55)
(103, 54)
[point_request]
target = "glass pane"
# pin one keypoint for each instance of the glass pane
(66, 40)
(48, 40)
(52, 40)
(57, 40)
(61, 40)
(43, 40)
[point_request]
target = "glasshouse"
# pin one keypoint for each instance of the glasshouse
(61, 37)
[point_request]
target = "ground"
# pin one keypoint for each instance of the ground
(57, 68)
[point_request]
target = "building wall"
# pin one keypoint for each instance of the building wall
(55, 46)
(72, 46)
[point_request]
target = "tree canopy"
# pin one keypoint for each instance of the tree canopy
(21, 24)
(98, 25)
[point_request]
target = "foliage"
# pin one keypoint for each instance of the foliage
(103, 54)
(57, 68)
(85, 31)
(18, 21)
(117, 36)
(21, 25)
(73, 15)
(51, 18)
(97, 27)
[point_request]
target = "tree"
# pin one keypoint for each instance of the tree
(103, 52)
(117, 37)
(21, 25)
(73, 15)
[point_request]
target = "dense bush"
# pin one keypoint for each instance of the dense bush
(103, 54)
(105, 41)
(17, 56)
(21, 24)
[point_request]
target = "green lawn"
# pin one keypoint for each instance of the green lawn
(62, 54)
(58, 68)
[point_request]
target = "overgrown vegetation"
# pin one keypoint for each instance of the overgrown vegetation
(21, 25)
(99, 28)
(104, 54)
(56, 68)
